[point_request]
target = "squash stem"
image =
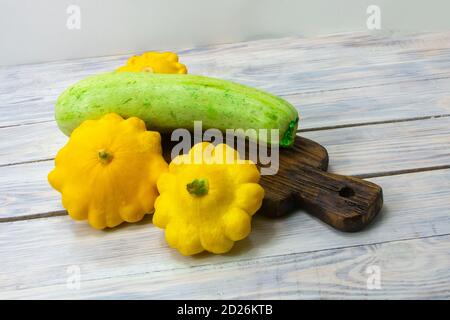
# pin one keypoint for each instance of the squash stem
(289, 136)
(198, 187)
(104, 156)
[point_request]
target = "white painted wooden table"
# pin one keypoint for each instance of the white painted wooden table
(379, 103)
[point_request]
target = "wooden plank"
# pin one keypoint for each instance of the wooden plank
(370, 150)
(404, 100)
(414, 269)
(381, 147)
(24, 191)
(36, 253)
(34, 142)
(353, 151)
(285, 66)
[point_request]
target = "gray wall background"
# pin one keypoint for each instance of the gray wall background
(35, 30)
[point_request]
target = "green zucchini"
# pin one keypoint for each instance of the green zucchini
(169, 101)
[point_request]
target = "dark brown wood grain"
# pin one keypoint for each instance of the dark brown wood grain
(345, 203)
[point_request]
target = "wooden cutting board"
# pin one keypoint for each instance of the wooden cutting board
(346, 203)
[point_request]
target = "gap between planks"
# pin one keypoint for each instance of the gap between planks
(399, 172)
(362, 124)
(387, 83)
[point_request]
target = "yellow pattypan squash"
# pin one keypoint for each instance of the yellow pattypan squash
(154, 62)
(107, 171)
(207, 199)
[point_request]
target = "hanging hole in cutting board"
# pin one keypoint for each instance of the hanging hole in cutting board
(346, 192)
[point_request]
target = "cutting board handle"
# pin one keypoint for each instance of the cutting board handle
(346, 203)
